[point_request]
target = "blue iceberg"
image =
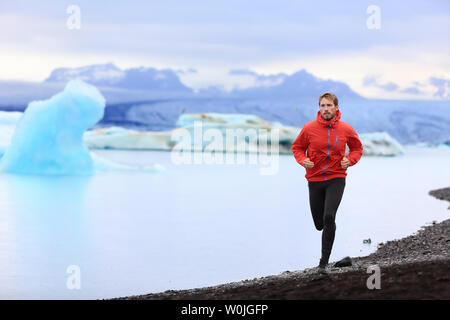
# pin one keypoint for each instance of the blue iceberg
(48, 139)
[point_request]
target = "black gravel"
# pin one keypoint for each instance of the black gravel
(414, 267)
(441, 194)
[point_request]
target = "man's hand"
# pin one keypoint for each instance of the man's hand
(345, 163)
(308, 163)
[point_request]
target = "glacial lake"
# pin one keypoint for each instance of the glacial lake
(196, 225)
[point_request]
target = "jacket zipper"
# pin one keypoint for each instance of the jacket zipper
(335, 142)
(328, 155)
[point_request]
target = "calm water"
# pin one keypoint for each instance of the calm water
(198, 225)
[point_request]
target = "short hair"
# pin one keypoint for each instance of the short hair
(329, 96)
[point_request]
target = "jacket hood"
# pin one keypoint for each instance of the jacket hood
(326, 123)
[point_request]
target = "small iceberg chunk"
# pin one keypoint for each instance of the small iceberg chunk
(380, 144)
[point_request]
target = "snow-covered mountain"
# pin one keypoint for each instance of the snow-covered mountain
(147, 99)
(108, 75)
(300, 84)
(138, 84)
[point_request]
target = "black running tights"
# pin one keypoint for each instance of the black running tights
(324, 199)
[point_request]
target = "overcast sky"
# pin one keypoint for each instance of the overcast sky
(407, 57)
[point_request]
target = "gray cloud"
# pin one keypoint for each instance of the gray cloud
(260, 79)
(230, 32)
(443, 87)
(372, 81)
(412, 90)
(185, 71)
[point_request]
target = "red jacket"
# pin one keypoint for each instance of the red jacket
(325, 143)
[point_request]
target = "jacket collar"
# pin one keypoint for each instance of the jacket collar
(326, 123)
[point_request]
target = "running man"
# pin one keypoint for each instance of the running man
(324, 141)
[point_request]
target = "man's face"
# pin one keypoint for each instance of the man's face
(327, 109)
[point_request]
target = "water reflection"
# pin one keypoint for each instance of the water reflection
(45, 214)
(197, 225)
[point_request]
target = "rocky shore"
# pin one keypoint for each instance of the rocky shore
(414, 267)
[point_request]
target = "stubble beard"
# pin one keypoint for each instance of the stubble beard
(327, 117)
